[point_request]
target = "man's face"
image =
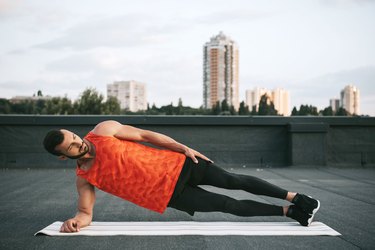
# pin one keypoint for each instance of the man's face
(72, 146)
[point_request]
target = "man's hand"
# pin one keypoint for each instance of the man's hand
(70, 226)
(193, 154)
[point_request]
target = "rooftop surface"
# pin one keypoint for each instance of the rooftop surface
(31, 199)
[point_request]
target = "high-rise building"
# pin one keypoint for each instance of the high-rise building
(280, 99)
(131, 94)
(278, 96)
(334, 104)
(220, 71)
(350, 99)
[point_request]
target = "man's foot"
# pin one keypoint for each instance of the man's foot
(297, 214)
(306, 203)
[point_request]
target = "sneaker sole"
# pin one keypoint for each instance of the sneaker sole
(309, 221)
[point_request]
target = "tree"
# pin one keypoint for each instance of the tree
(153, 110)
(244, 109)
(58, 106)
(167, 110)
(294, 111)
(180, 107)
(232, 111)
(342, 112)
(5, 106)
(224, 106)
(65, 106)
(227, 109)
(266, 106)
(111, 106)
(23, 107)
(307, 110)
(53, 106)
(216, 109)
(90, 102)
(254, 110)
(39, 106)
(327, 111)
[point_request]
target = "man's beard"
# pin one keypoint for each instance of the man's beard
(81, 154)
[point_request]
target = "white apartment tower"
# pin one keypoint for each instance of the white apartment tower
(131, 94)
(350, 99)
(280, 99)
(220, 71)
(278, 96)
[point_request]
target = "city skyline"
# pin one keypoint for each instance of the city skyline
(311, 48)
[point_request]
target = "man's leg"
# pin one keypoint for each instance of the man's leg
(218, 177)
(215, 176)
(196, 199)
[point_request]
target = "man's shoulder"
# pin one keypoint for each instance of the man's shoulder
(105, 128)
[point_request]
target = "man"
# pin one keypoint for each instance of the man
(111, 159)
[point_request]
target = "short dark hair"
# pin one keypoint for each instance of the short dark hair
(51, 140)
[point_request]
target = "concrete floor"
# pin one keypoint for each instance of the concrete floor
(33, 199)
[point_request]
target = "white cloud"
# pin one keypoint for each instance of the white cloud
(345, 3)
(231, 15)
(130, 30)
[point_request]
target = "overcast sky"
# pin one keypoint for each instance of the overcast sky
(311, 48)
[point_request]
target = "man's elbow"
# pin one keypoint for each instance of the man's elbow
(87, 212)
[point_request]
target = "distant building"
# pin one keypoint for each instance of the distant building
(280, 99)
(334, 104)
(130, 94)
(18, 99)
(220, 72)
(278, 96)
(350, 99)
(253, 97)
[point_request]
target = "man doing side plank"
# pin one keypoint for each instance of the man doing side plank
(111, 158)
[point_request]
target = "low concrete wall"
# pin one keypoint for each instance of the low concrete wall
(231, 141)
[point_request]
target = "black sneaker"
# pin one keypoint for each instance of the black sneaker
(297, 214)
(306, 203)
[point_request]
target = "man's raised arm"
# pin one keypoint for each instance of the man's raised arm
(126, 132)
(86, 201)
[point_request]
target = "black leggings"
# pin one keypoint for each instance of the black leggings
(190, 198)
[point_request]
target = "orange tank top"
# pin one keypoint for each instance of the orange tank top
(140, 174)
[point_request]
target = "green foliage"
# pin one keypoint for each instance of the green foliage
(342, 112)
(327, 111)
(216, 109)
(111, 106)
(266, 106)
(305, 110)
(92, 102)
(294, 111)
(5, 106)
(308, 110)
(244, 109)
(254, 110)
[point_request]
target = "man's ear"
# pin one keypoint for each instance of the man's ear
(62, 157)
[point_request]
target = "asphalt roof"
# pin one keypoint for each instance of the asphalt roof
(31, 199)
